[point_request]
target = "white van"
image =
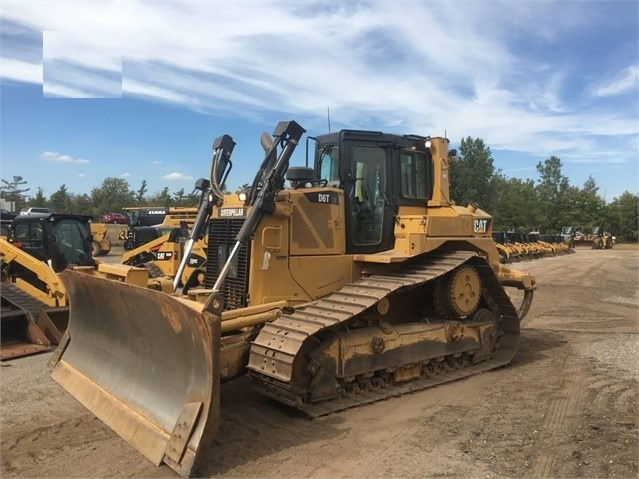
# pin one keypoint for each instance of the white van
(35, 210)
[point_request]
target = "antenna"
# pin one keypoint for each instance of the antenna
(328, 114)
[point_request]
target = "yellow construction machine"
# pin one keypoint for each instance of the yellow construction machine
(159, 215)
(508, 252)
(597, 238)
(358, 281)
(34, 301)
(601, 239)
(35, 305)
(100, 245)
(149, 223)
(163, 255)
(551, 244)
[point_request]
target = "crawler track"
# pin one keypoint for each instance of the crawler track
(22, 301)
(281, 342)
(21, 334)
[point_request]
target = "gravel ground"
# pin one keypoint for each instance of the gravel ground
(566, 407)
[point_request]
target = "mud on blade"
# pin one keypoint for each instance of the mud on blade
(145, 364)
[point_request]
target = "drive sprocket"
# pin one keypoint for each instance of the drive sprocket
(459, 292)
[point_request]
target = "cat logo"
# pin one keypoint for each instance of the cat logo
(481, 226)
(231, 212)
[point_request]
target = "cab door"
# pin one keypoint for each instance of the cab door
(369, 212)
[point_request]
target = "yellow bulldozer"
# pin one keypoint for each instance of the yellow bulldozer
(358, 281)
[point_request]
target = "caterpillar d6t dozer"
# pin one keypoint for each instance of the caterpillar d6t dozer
(358, 281)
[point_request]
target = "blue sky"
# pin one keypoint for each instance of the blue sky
(139, 90)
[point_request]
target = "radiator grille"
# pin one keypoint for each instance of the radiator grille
(222, 234)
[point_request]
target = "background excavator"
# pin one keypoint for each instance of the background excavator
(358, 282)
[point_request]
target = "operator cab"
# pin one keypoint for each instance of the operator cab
(62, 239)
(151, 216)
(378, 172)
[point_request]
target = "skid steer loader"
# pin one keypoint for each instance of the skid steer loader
(34, 311)
(358, 281)
(163, 255)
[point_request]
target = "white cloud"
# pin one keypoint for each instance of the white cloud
(97, 50)
(157, 93)
(52, 90)
(176, 177)
(82, 64)
(625, 82)
(125, 175)
(21, 71)
(59, 158)
(424, 67)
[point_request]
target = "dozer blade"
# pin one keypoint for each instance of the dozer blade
(144, 363)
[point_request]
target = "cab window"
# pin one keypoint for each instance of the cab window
(72, 244)
(329, 166)
(29, 234)
(368, 196)
(414, 175)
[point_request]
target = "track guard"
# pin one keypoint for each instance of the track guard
(146, 364)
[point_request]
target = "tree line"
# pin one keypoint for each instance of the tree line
(547, 203)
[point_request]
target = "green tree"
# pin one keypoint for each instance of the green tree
(161, 199)
(193, 198)
(552, 188)
(623, 217)
(179, 197)
(112, 196)
(140, 195)
(515, 204)
(61, 201)
(571, 213)
(245, 188)
(13, 191)
(473, 175)
(82, 205)
(582, 207)
(39, 199)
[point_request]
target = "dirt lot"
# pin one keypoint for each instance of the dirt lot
(565, 407)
